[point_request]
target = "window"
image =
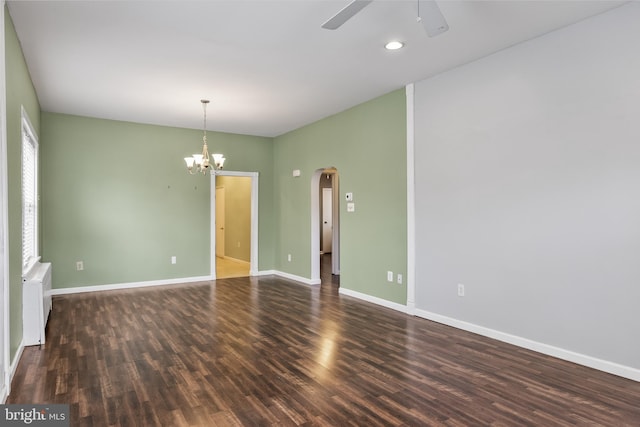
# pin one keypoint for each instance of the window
(29, 194)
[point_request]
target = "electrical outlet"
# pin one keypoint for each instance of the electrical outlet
(173, 260)
(460, 290)
(289, 257)
(389, 276)
(399, 279)
(79, 266)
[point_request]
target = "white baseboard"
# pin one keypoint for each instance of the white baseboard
(14, 364)
(289, 276)
(16, 360)
(239, 261)
(549, 350)
(97, 288)
(581, 359)
(374, 300)
(297, 278)
(265, 273)
(570, 356)
(4, 392)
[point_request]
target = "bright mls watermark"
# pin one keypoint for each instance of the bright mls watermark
(34, 415)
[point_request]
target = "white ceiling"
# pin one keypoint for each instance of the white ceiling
(266, 66)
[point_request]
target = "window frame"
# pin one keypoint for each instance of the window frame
(29, 136)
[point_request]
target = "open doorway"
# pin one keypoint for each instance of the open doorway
(234, 226)
(325, 225)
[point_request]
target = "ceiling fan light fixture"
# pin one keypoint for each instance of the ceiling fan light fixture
(394, 45)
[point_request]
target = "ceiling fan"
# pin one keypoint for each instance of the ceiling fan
(433, 21)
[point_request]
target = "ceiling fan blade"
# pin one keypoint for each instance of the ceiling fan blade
(345, 14)
(431, 17)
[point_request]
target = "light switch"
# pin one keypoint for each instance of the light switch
(349, 197)
(351, 207)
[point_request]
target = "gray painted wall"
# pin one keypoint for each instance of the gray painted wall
(528, 189)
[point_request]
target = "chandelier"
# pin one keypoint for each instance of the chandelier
(201, 162)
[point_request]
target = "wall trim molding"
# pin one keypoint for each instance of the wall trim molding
(549, 350)
(179, 281)
(16, 360)
(411, 200)
(12, 370)
(375, 300)
(5, 280)
(130, 285)
(265, 273)
(238, 260)
(303, 280)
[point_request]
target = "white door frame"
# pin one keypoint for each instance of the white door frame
(5, 344)
(220, 232)
(253, 269)
(335, 242)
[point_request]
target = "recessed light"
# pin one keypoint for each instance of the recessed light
(394, 45)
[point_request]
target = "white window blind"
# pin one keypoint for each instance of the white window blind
(29, 196)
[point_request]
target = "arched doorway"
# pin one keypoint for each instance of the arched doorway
(325, 190)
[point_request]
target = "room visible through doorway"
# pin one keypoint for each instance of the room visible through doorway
(233, 226)
(325, 225)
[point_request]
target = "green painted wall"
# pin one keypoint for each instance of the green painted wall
(20, 92)
(117, 196)
(237, 216)
(367, 144)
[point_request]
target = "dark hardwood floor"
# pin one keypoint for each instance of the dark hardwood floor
(326, 276)
(267, 351)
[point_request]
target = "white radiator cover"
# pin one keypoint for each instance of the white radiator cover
(36, 304)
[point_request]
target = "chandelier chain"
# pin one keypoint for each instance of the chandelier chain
(204, 128)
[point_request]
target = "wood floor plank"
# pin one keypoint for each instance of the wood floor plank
(268, 351)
